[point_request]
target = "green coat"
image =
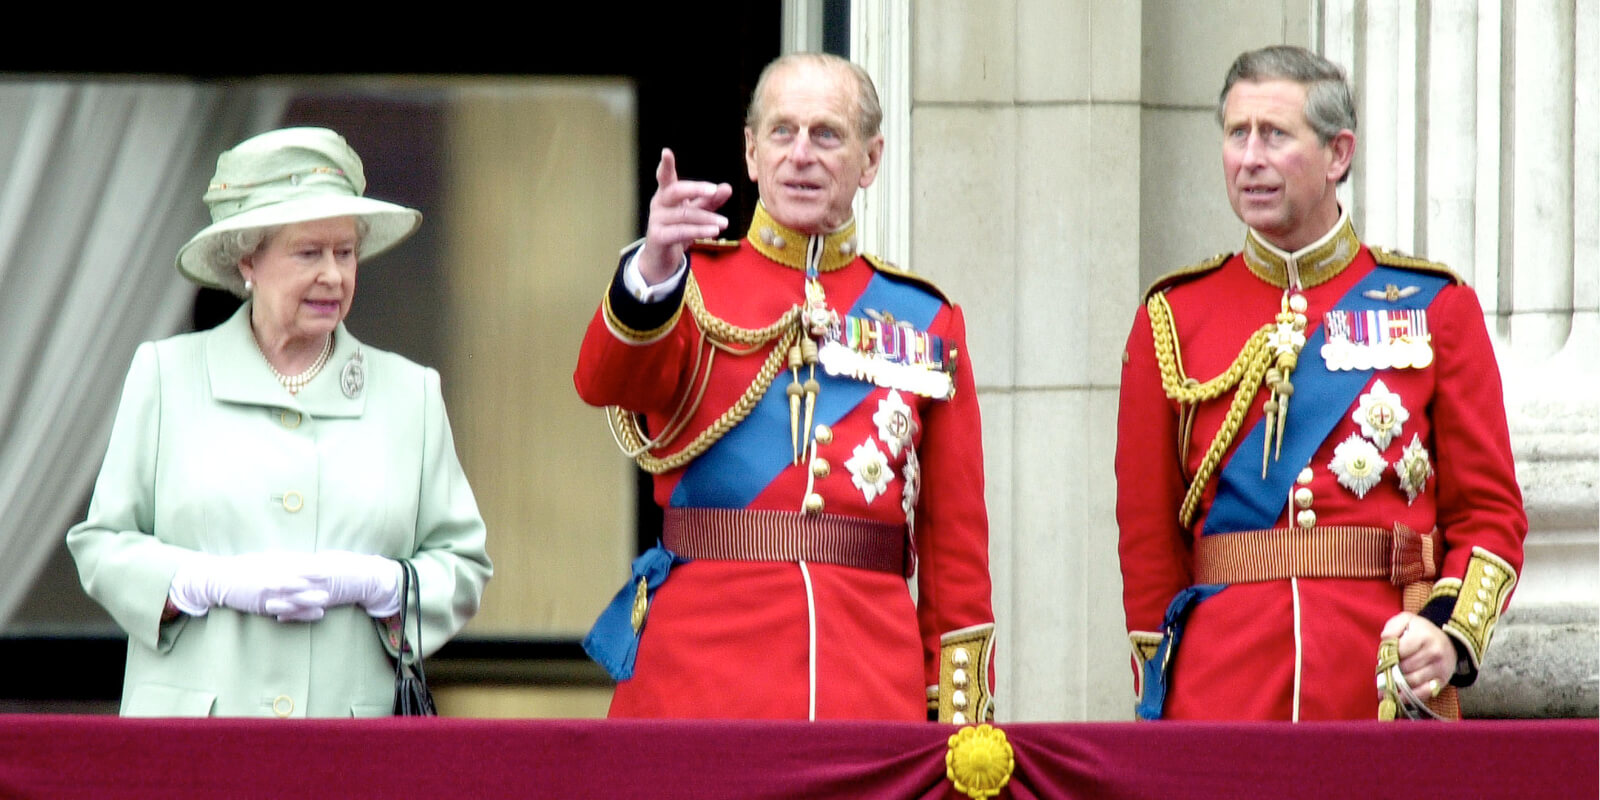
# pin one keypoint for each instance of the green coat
(209, 453)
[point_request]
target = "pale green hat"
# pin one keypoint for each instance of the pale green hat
(282, 177)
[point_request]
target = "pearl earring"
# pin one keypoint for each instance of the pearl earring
(248, 286)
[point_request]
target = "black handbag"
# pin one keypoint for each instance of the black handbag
(412, 697)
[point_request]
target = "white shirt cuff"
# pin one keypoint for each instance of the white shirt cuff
(633, 280)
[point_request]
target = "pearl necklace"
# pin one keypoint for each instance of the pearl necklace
(294, 383)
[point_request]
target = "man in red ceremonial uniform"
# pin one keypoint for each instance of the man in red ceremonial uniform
(1314, 476)
(809, 415)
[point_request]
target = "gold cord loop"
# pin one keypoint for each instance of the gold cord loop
(1246, 373)
(721, 335)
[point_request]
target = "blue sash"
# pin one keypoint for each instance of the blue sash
(1155, 671)
(748, 458)
(1244, 501)
(612, 642)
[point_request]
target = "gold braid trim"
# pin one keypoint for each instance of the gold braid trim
(1246, 372)
(1481, 595)
(727, 337)
(723, 332)
(1390, 258)
(963, 692)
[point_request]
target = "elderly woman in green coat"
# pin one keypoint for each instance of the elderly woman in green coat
(265, 478)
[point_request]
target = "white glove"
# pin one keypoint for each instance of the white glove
(268, 584)
(372, 582)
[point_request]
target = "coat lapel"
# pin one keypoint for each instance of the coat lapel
(239, 374)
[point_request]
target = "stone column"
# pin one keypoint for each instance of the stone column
(1448, 229)
(1025, 151)
(880, 41)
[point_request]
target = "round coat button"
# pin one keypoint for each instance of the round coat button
(293, 502)
(1302, 497)
(283, 706)
(289, 418)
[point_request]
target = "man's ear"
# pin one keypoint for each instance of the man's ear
(1343, 148)
(750, 152)
(874, 159)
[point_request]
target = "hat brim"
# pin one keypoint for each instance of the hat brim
(388, 224)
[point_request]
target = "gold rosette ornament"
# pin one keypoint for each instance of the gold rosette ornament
(979, 761)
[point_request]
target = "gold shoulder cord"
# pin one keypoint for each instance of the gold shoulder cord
(1246, 372)
(720, 335)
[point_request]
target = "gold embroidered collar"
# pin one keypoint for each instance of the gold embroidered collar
(788, 246)
(1315, 263)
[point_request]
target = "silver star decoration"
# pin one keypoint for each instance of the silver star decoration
(1357, 465)
(1414, 469)
(869, 469)
(1380, 415)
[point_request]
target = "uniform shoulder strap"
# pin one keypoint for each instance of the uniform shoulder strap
(1390, 258)
(909, 277)
(1178, 276)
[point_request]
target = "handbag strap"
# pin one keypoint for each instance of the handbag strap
(409, 587)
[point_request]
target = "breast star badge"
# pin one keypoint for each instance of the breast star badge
(1414, 469)
(893, 419)
(1380, 415)
(869, 469)
(912, 472)
(1357, 465)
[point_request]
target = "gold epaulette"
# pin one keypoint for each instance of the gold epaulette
(1390, 258)
(714, 244)
(1179, 275)
(890, 269)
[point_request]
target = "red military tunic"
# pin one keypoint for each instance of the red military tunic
(1304, 647)
(798, 639)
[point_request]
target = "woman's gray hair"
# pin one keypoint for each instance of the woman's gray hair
(1330, 107)
(869, 112)
(231, 247)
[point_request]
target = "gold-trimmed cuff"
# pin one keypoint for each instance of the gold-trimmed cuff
(632, 335)
(1480, 598)
(963, 692)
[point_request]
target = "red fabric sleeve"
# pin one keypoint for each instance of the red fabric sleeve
(1479, 502)
(1154, 548)
(617, 368)
(952, 524)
